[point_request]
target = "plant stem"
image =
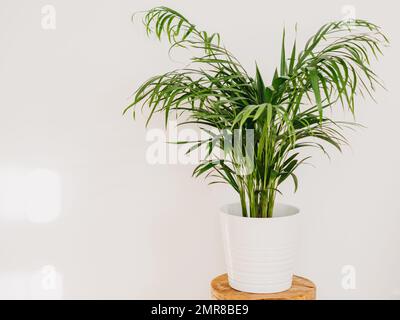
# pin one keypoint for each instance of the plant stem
(243, 203)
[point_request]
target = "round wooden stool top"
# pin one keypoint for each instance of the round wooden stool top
(302, 289)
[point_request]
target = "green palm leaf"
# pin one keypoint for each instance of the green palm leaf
(216, 92)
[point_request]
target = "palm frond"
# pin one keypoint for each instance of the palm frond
(216, 93)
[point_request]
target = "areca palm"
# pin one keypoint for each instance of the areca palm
(284, 116)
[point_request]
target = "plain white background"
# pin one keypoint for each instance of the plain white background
(118, 227)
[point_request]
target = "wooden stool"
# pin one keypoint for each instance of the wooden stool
(302, 289)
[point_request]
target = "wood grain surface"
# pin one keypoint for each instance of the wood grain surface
(302, 289)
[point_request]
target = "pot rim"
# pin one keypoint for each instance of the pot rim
(294, 211)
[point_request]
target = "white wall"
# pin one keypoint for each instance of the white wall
(118, 227)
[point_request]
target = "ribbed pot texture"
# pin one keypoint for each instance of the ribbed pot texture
(260, 252)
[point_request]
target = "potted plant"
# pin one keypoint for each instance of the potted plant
(263, 129)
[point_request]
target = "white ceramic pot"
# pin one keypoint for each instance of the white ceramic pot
(260, 252)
